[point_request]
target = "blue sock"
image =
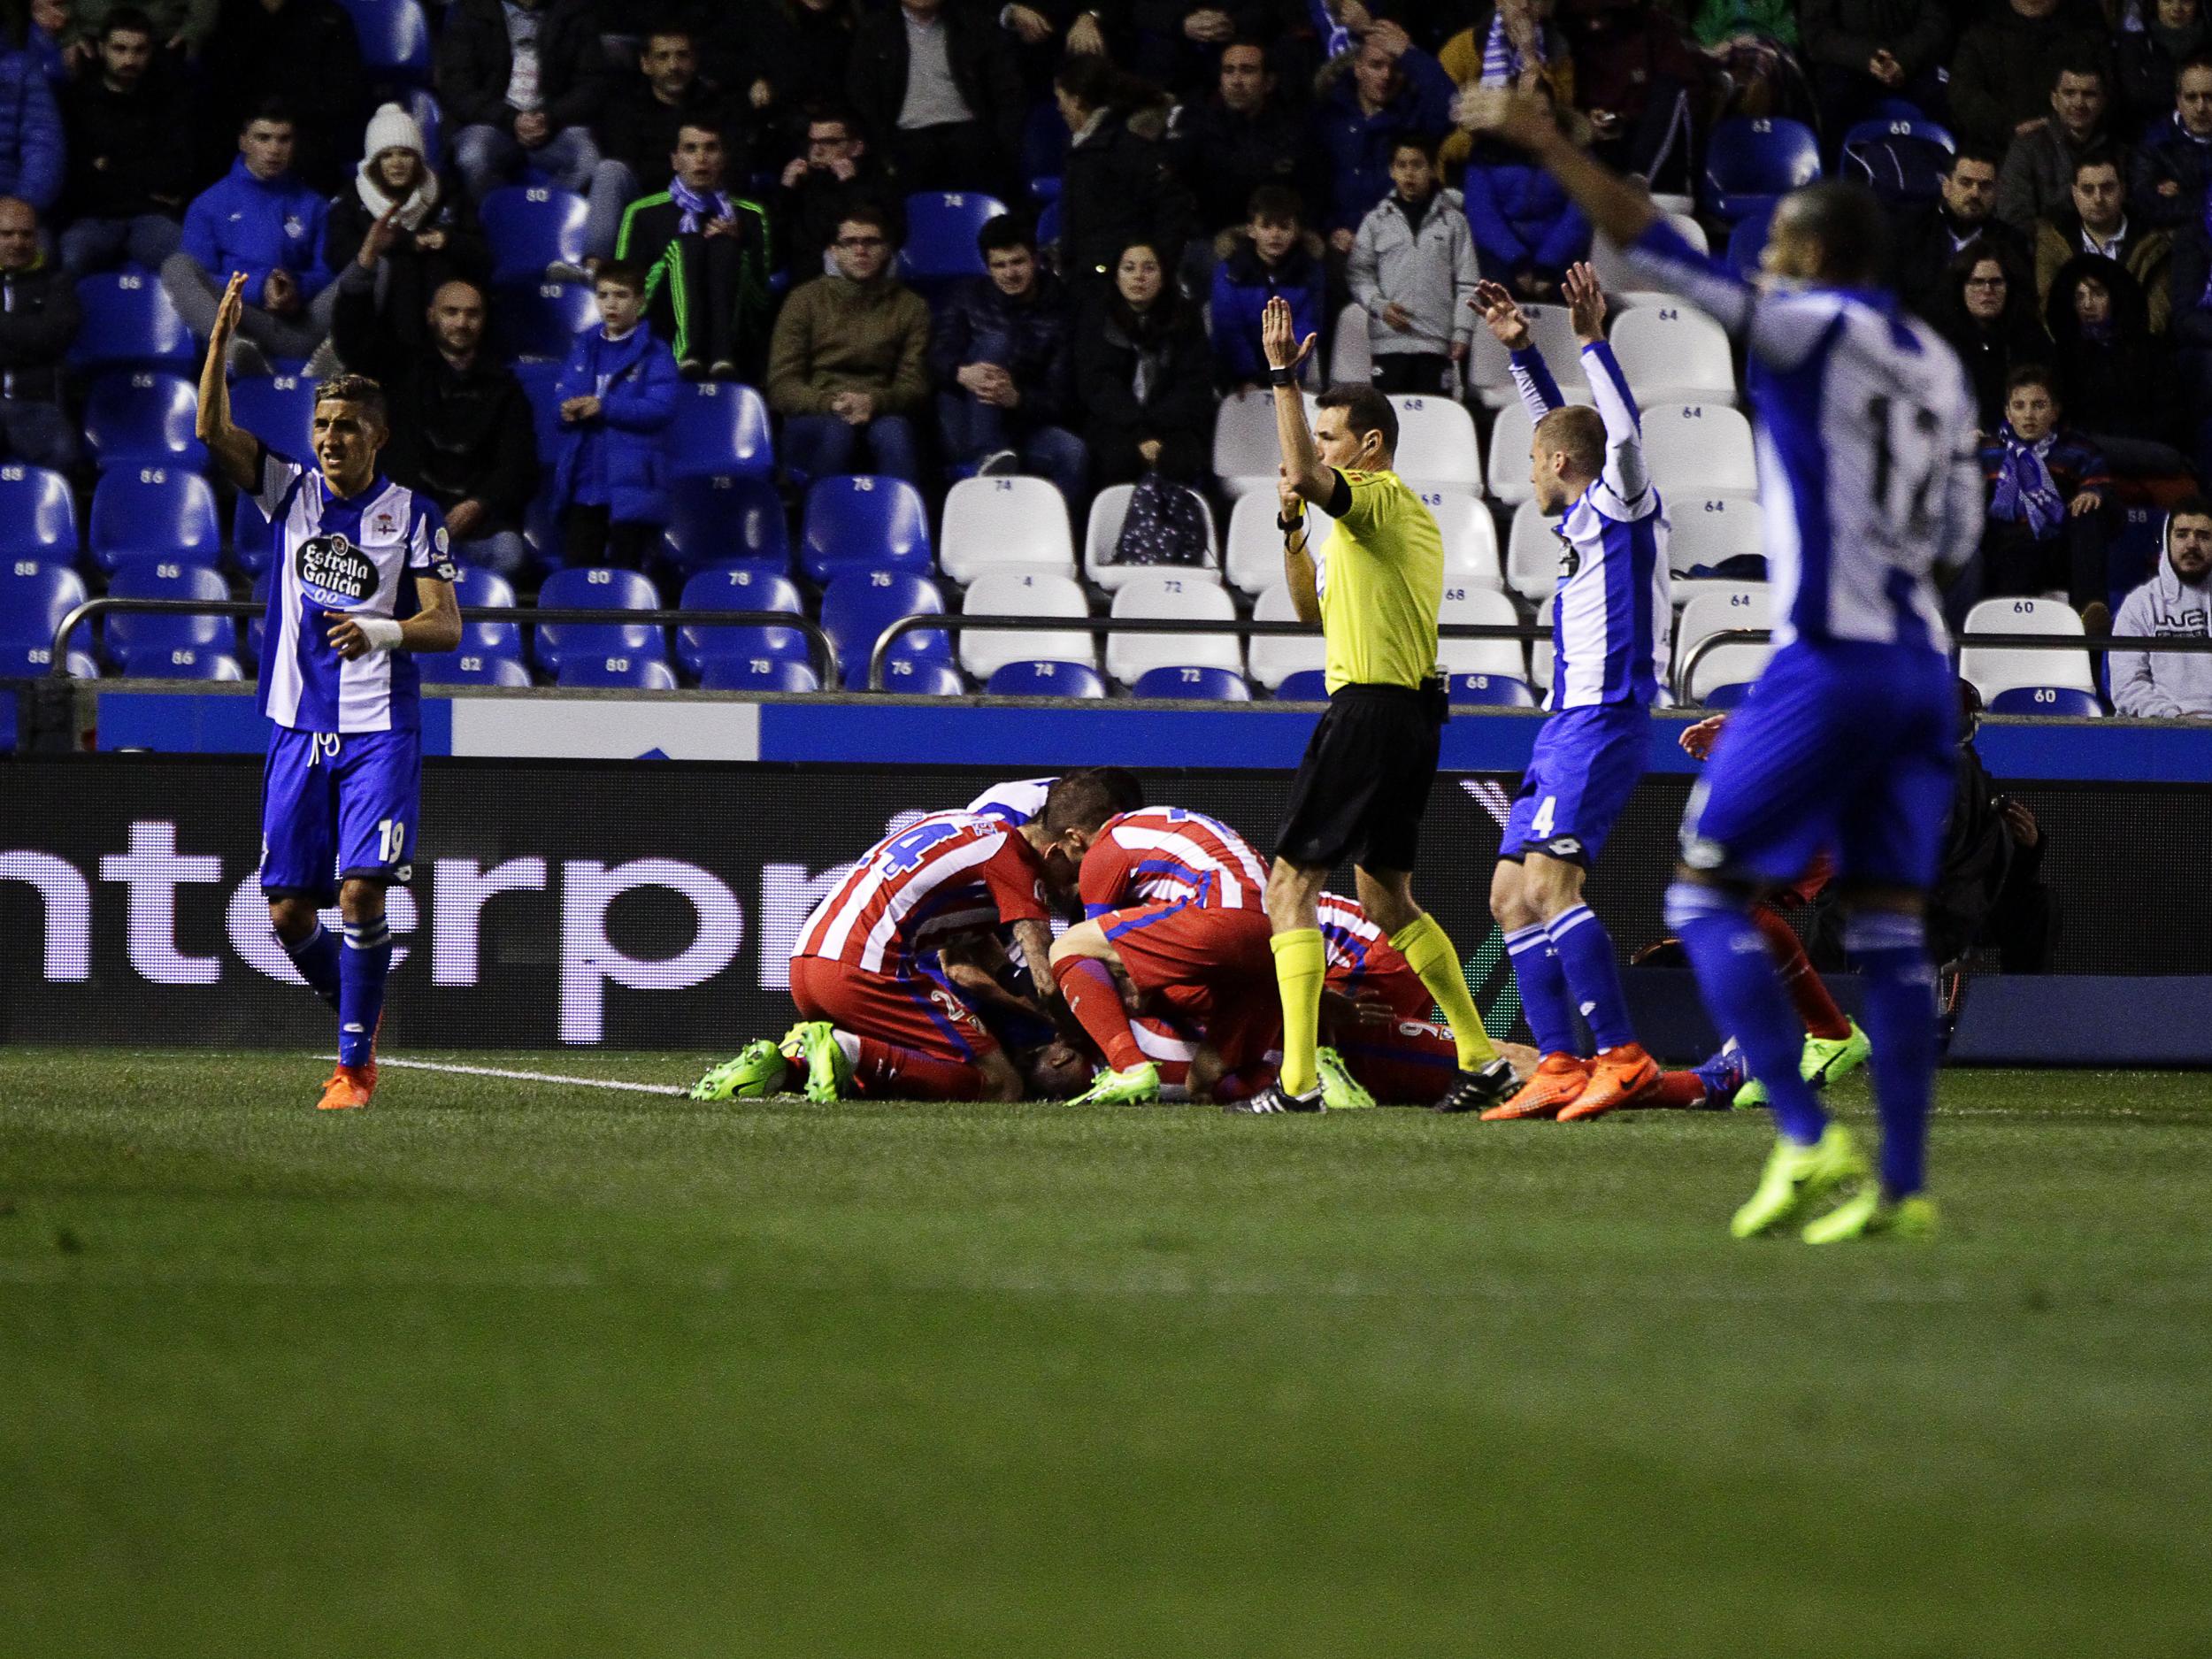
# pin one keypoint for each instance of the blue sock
(1586, 957)
(1551, 1016)
(363, 967)
(316, 957)
(1743, 993)
(1898, 980)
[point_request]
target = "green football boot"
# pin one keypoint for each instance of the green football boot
(812, 1045)
(1797, 1177)
(1866, 1214)
(1340, 1091)
(757, 1071)
(1139, 1086)
(1827, 1059)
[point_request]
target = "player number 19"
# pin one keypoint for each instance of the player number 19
(391, 841)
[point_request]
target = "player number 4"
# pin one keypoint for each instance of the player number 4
(906, 851)
(1540, 825)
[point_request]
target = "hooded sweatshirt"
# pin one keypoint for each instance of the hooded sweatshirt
(2165, 685)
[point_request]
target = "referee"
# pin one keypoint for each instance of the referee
(1364, 780)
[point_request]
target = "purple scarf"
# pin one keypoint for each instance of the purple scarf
(2024, 487)
(698, 207)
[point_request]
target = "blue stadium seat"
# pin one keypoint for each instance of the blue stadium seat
(154, 512)
(144, 418)
(1048, 223)
(1308, 685)
(538, 379)
(738, 588)
(727, 521)
(1213, 685)
(395, 40)
(257, 624)
(541, 320)
(1726, 697)
(29, 661)
(465, 667)
(128, 640)
(756, 673)
(1045, 680)
(940, 231)
(1901, 159)
(279, 409)
(1747, 240)
(590, 588)
(721, 428)
(34, 595)
(858, 605)
(38, 515)
(1751, 162)
(593, 671)
(475, 586)
(864, 522)
(1494, 691)
(916, 677)
(422, 103)
(2063, 701)
(129, 323)
(185, 663)
(532, 226)
(252, 537)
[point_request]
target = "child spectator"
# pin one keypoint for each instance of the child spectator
(128, 176)
(2047, 493)
(1413, 271)
(705, 250)
(432, 238)
(1141, 369)
(618, 395)
(1269, 260)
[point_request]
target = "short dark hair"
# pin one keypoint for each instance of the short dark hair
(824, 111)
(2032, 374)
(2098, 156)
(702, 123)
(1275, 204)
(668, 29)
(2195, 60)
(624, 273)
(1004, 232)
(127, 21)
(274, 110)
(2080, 66)
(1414, 140)
(870, 214)
(1974, 149)
(1366, 410)
(1084, 800)
(2190, 506)
(355, 388)
(1849, 223)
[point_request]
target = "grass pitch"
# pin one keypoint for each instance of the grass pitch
(502, 1368)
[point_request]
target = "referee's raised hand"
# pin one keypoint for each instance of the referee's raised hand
(1278, 336)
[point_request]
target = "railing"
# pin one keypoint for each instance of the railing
(1685, 673)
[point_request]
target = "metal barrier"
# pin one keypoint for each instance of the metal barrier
(2101, 644)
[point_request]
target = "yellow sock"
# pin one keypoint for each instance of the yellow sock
(1301, 965)
(1430, 954)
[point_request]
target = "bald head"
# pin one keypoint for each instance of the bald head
(1832, 232)
(18, 234)
(456, 320)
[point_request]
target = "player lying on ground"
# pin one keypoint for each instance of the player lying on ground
(1845, 740)
(361, 576)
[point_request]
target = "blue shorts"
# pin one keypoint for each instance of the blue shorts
(338, 806)
(1584, 767)
(1843, 746)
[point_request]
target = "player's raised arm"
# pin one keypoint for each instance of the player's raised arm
(234, 447)
(1298, 566)
(1625, 472)
(1509, 326)
(1285, 355)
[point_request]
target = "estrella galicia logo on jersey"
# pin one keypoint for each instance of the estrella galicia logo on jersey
(334, 572)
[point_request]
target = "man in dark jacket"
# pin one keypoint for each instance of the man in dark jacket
(461, 431)
(638, 125)
(2166, 182)
(1242, 137)
(706, 256)
(1861, 51)
(2038, 176)
(1002, 356)
(2001, 71)
(935, 81)
(837, 172)
(305, 54)
(1931, 236)
(128, 176)
(1391, 87)
(38, 317)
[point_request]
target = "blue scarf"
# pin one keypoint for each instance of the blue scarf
(1335, 38)
(2024, 488)
(1501, 59)
(698, 207)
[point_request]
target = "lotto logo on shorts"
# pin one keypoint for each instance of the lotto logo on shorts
(334, 572)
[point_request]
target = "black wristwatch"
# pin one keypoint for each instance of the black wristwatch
(1281, 377)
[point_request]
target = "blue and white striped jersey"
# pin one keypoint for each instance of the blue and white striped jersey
(358, 553)
(1608, 640)
(1865, 428)
(1019, 802)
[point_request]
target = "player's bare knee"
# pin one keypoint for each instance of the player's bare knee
(292, 918)
(1386, 896)
(1891, 901)
(360, 900)
(1552, 886)
(1293, 896)
(1084, 938)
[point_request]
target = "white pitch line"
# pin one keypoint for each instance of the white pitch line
(537, 1077)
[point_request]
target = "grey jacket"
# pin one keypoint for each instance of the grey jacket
(2038, 175)
(1433, 275)
(2164, 684)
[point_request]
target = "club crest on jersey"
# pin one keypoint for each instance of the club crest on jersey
(334, 572)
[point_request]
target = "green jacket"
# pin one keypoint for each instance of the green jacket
(838, 335)
(649, 237)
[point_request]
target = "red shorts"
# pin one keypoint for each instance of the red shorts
(1807, 887)
(1202, 965)
(1401, 1062)
(912, 1013)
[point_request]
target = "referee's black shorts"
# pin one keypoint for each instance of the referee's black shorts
(1364, 782)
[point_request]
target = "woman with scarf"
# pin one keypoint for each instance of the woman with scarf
(437, 238)
(1145, 375)
(1516, 46)
(2045, 531)
(1989, 321)
(2116, 383)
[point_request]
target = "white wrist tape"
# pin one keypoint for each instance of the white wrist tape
(381, 632)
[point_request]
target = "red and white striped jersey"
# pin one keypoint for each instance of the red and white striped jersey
(1356, 947)
(1161, 854)
(950, 877)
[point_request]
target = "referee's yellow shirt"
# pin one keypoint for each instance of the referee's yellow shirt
(1383, 582)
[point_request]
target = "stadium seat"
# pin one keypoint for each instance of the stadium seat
(594, 588)
(1470, 536)
(1045, 679)
(2051, 701)
(590, 670)
(1674, 354)
(1995, 670)
(129, 323)
(1208, 685)
(1000, 523)
(1618, 277)
(747, 673)
(34, 595)
(128, 638)
(1102, 537)
(279, 409)
(1551, 331)
(859, 605)
(1436, 444)
(1726, 697)
(476, 588)
(864, 522)
(1351, 363)
(1479, 607)
(1747, 241)
(465, 667)
(1158, 592)
(541, 320)
(1275, 658)
(1489, 691)
(1720, 612)
(1692, 447)
(395, 38)
(539, 377)
(941, 233)
(727, 521)
(154, 512)
(1256, 545)
(184, 662)
(529, 227)
(1308, 685)
(1750, 162)
(1706, 531)
(1021, 593)
(1901, 158)
(721, 430)
(1508, 480)
(918, 677)
(144, 418)
(1534, 554)
(38, 514)
(1247, 451)
(738, 588)
(1489, 371)
(22, 660)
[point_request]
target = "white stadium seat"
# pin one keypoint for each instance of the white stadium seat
(1018, 593)
(1470, 536)
(1004, 521)
(1551, 331)
(1275, 660)
(1707, 529)
(1507, 472)
(1685, 588)
(1616, 275)
(1747, 606)
(1436, 441)
(1694, 446)
(1992, 669)
(1534, 554)
(1247, 453)
(1674, 354)
(1350, 362)
(1102, 535)
(1465, 604)
(1153, 592)
(1256, 545)
(1489, 370)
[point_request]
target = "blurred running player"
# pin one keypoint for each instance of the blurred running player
(1865, 431)
(361, 576)
(1609, 651)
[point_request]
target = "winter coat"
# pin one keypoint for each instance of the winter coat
(2149, 64)
(1243, 287)
(2119, 387)
(2002, 71)
(1521, 219)
(638, 130)
(306, 54)
(30, 132)
(1846, 33)
(241, 223)
(2145, 252)
(617, 460)
(1032, 339)
(124, 156)
(1357, 145)
(1222, 158)
(2163, 686)
(1431, 272)
(2038, 175)
(190, 20)
(1989, 355)
(1177, 407)
(474, 61)
(803, 54)
(983, 69)
(415, 272)
(38, 318)
(1925, 241)
(838, 335)
(2167, 155)
(1118, 188)
(2187, 276)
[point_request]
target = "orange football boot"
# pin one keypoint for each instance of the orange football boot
(1622, 1077)
(349, 1086)
(1558, 1079)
